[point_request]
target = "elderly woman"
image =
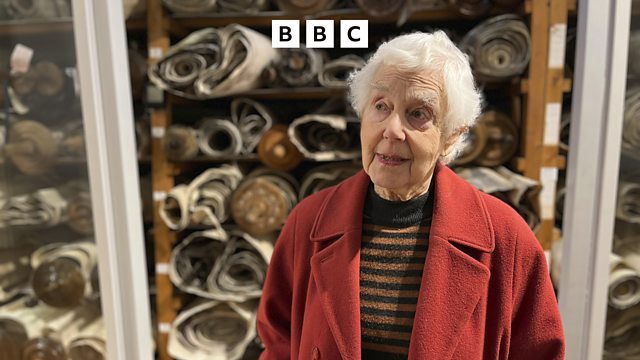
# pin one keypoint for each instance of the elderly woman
(405, 259)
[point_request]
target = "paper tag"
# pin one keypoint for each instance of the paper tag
(73, 74)
(557, 43)
(552, 117)
(162, 268)
(21, 58)
(155, 53)
(547, 197)
(157, 132)
(159, 195)
(164, 328)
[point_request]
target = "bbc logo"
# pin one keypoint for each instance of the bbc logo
(285, 34)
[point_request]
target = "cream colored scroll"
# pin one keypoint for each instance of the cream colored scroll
(213, 330)
(326, 137)
(335, 73)
(624, 280)
(204, 201)
(252, 119)
(221, 266)
(498, 48)
(299, 67)
(211, 63)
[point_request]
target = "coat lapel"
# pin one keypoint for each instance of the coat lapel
(336, 267)
(452, 282)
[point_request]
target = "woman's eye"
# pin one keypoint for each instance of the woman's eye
(381, 106)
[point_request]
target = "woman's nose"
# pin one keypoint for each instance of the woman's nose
(393, 128)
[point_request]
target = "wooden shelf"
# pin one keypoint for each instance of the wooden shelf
(263, 19)
(53, 26)
(310, 93)
(220, 159)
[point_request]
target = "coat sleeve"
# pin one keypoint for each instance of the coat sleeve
(274, 311)
(536, 328)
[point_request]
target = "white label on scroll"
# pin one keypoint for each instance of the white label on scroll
(164, 328)
(162, 268)
(157, 132)
(155, 52)
(159, 195)
(21, 58)
(557, 41)
(547, 197)
(552, 123)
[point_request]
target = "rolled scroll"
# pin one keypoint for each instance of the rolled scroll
(13, 337)
(631, 122)
(45, 207)
(180, 142)
(219, 137)
(621, 335)
(326, 137)
(624, 283)
(44, 347)
(263, 201)
(62, 273)
(335, 73)
(212, 63)
(18, 9)
(299, 67)
(252, 120)
(32, 147)
(204, 201)
(212, 330)
(475, 143)
(498, 48)
(276, 149)
(628, 204)
(212, 265)
(324, 176)
(15, 273)
(502, 139)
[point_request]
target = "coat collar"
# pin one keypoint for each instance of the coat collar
(452, 282)
(459, 214)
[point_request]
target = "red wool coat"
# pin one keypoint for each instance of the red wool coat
(485, 291)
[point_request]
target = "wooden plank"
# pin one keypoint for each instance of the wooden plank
(162, 178)
(533, 131)
(554, 89)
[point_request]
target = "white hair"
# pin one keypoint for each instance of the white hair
(420, 52)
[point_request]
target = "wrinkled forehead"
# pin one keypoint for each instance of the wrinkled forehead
(425, 86)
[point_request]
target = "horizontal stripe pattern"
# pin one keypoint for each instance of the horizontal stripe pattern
(391, 265)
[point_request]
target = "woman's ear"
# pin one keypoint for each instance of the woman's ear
(452, 139)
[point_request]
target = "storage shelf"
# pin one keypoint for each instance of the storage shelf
(308, 93)
(53, 26)
(263, 19)
(219, 159)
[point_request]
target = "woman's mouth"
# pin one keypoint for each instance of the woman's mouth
(390, 160)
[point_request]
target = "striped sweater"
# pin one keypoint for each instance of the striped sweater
(394, 247)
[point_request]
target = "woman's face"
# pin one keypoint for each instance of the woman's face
(400, 132)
